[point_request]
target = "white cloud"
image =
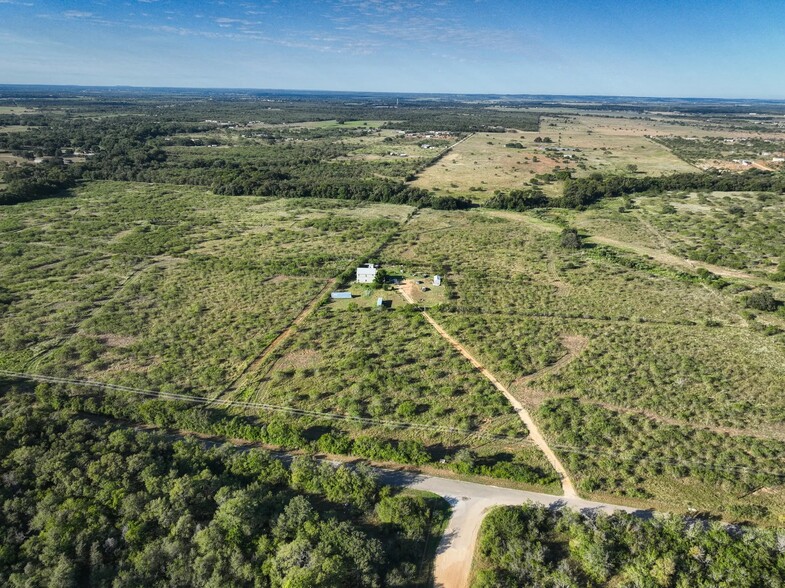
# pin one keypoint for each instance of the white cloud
(77, 14)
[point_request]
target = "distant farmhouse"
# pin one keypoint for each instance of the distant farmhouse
(366, 274)
(437, 280)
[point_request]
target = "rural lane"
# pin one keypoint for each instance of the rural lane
(534, 431)
(470, 502)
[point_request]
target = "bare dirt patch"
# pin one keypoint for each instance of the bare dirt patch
(112, 340)
(530, 395)
(303, 359)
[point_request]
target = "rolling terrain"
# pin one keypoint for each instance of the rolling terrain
(626, 349)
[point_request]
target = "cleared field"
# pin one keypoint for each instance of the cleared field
(17, 110)
(6, 157)
(610, 146)
(642, 341)
(14, 129)
(168, 288)
(484, 162)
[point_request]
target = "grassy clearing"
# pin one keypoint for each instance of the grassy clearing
(179, 290)
(17, 110)
(483, 163)
(607, 146)
(684, 467)
(733, 229)
(191, 326)
(657, 345)
(391, 366)
(724, 377)
(374, 364)
(503, 161)
(168, 288)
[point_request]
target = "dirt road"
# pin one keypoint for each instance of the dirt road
(674, 260)
(470, 502)
(534, 432)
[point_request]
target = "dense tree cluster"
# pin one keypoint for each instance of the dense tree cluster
(460, 119)
(30, 182)
(277, 430)
(762, 300)
(91, 504)
(584, 191)
(533, 546)
(518, 200)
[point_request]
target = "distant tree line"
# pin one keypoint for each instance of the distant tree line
(134, 148)
(30, 182)
(579, 192)
(584, 191)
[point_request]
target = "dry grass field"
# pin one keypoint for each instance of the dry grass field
(585, 144)
(610, 145)
(483, 162)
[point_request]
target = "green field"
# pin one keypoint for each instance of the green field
(196, 258)
(636, 341)
(168, 288)
(181, 291)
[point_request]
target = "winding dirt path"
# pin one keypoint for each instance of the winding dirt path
(674, 260)
(535, 434)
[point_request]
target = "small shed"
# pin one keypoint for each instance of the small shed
(380, 301)
(437, 280)
(340, 295)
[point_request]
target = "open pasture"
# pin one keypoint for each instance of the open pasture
(168, 288)
(17, 110)
(615, 329)
(483, 163)
(737, 230)
(388, 375)
(606, 145)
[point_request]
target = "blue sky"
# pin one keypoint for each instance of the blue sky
(692, 48)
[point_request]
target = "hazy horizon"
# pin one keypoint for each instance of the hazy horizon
(717, 49)
(285, 92)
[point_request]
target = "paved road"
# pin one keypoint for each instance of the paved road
(470, 502)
